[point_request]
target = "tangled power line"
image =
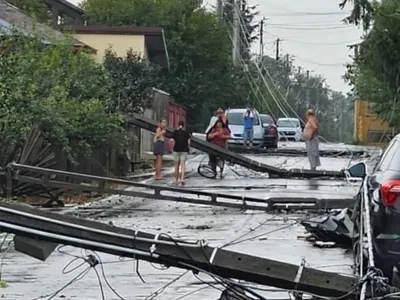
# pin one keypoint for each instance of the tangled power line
(91, 262)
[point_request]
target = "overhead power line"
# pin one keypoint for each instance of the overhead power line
(321, 64)
(318, 44)
(311, 28)
(300, 14)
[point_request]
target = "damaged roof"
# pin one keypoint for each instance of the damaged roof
(12, 18)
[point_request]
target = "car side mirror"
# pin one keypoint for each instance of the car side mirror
(357, 171)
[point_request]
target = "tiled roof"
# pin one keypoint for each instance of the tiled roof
(12, 18)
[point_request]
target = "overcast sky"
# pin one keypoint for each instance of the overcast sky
(312, 31)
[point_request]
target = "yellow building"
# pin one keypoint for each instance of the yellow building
(368, 128)
(146, 42)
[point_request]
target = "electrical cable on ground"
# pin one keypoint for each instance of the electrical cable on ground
(158, 292)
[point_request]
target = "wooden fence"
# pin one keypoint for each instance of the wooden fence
(104, 161)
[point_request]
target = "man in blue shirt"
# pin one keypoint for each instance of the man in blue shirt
(248, 118)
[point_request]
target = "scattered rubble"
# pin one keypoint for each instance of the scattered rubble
(198, 227)
(336, 228)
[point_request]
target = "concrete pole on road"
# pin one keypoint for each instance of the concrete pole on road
(236, 31)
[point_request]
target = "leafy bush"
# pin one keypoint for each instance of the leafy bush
(59, 89)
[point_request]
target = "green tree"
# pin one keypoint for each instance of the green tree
(374, 74)
(247, 25)
(361, 12)
(201, 76)
(283, 91)
(130, 81)
(36, 8)
(63, 92)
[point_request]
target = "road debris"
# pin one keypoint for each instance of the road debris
(336, 228)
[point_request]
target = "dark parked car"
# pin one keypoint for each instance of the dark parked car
(270, 131)
(383, 189)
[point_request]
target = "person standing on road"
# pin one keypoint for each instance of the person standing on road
(159, 147)
(221, 116)
(310, 136)
(181, 149)
(218, 135)
(248, 133)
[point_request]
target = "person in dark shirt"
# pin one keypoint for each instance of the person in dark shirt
(181, 149)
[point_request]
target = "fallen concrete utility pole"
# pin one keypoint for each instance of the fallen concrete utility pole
(238, 159)
(300, 152)
(53, 228)
(88, 183)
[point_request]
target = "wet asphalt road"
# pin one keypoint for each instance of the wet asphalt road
(29, 278)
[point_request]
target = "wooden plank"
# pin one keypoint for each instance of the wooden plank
(238, 159)
(119, 241)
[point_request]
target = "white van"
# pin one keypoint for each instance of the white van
(289, 129)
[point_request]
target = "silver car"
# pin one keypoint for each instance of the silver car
(236, 125)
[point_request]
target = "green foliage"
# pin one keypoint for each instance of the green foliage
(248, 26)
(284, 91)
(36, 8)
(201, 75)
(374, 74)
(361, 13)
(63, 92)
(130, 81)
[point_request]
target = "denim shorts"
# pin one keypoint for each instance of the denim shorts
(180, 156)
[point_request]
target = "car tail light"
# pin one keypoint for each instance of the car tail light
(272, 131)
(390, 190)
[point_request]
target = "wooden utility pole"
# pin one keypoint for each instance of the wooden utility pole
(278, 40)
(236, 33)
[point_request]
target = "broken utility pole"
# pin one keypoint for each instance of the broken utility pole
(238, 159)
(161, 248)
(63, 180)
